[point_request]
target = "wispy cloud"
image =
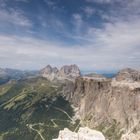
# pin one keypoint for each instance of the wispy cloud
(111, 46)
(77, 20)
(14, 17)
(105, 54)
(99, 1)
(51, 4)
(89, 11)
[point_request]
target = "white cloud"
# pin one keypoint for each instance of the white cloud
(14, 17)
(89, 11)
(49, 2)
(114, 46)
(110, 52)
(100, 1)
(77, 20)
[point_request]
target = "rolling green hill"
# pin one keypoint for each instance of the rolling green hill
(32, 109)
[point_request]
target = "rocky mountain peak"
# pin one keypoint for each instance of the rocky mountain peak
(129, 75)
(54, 69)
(47, 69)
(69, 72)
(49, 72)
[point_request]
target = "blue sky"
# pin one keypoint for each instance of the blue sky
(99, 35)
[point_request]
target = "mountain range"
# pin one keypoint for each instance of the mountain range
(36, 105)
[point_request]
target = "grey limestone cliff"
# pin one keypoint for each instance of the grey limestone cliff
(103, 102)
(67, 72)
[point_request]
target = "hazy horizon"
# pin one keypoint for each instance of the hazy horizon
(83, 71)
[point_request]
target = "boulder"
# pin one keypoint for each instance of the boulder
(82, 134)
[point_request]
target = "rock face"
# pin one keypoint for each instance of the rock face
(131, 136)
(106, 101)
(49, 72)
(70, 72)
(82, 134)
(129, 75)
(94, 76)
(90, 97)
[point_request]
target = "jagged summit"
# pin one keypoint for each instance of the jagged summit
(111, 106)
(49, 69)
(69, 72)
(49, 72)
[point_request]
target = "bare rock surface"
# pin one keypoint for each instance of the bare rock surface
(69, 72)
(82, 134)
(100, 101)
(109, 101)
(131, 136)
(129, 75)
(49, 72)
(94, 76)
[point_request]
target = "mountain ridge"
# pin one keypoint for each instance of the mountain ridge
(110, 105)
(69, 72)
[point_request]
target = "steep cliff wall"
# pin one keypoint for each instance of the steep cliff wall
(108, 101)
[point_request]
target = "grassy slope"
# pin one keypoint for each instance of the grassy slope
(32, 101)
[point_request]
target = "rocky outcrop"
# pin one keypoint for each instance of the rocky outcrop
(95, 76)
(49, 72)
(109, 101)
(82, 134)
(131, 136)
(112, 104)
(129, 75)
(90, 97)
(70, 72)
